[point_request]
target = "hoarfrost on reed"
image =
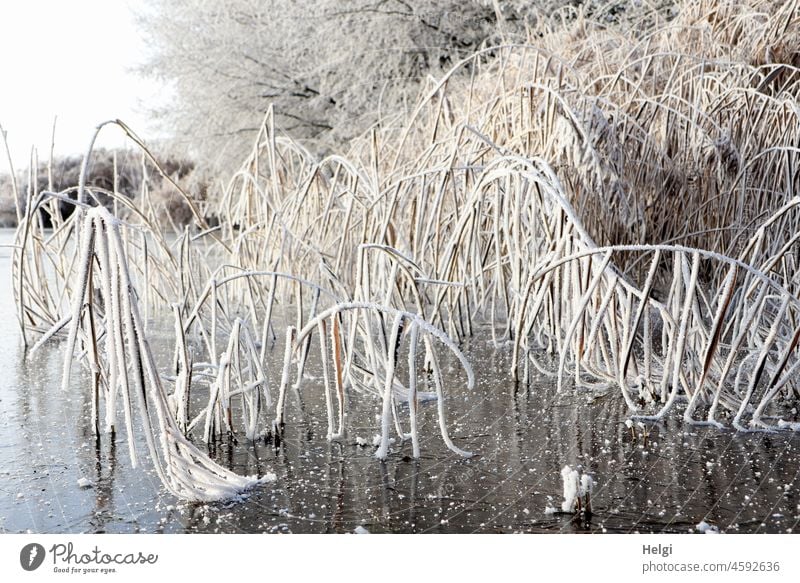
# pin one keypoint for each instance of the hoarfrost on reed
(633, 212)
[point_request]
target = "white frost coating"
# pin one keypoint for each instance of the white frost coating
(403, 321)
(323, 348)
(185, 471)
(578, 489)
(214, 396)
(571, 481)
(587, 486)
(55, 329)
(414, 318)
(85, 261)
(110, 345)
(383, 450)
(179, 399)
(287, 361)
(707, 528)
(412, 391)
(376, 440)
(788, 425)
(116, 329)
(578, 318)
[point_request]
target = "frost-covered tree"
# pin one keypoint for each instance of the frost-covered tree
(330, 67)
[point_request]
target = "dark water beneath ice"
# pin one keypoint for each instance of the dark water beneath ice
(522, 436)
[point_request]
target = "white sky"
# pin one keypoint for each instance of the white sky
(71, 59)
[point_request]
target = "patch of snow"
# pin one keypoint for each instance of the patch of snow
(707, 528)
(571, 480)
(788, 425)
(587, 484)
(376, 440)
(577, 488)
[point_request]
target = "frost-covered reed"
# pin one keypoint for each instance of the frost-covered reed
(105, 315)
(578, 488)
(625, 200)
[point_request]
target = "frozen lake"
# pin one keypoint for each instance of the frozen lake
(669, 480)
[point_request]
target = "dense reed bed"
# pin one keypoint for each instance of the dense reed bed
(623, 198)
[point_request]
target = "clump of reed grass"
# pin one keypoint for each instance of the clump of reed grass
(627, 202)
(106, 315)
